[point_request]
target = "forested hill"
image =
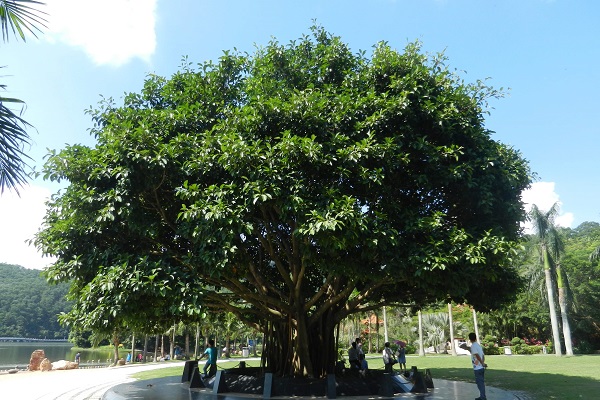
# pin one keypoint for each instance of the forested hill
(29, 305)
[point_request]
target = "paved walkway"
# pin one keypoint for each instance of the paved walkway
(76, 384)
(172, 389)
(116, 383)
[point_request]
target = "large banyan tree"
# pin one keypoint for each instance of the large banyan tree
(294, 187)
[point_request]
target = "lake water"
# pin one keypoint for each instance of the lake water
(18, 353)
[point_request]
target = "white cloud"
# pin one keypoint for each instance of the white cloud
(542, 194)
(21, 219)
(110, 31)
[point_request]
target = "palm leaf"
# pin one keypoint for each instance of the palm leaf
(13, 137)
(20, 16)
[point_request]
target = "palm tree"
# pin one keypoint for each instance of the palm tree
(561, 281)
(18, 17)
(436, 327)
(550, 246)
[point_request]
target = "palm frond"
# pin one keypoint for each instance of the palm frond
(20, 16)
(13, 137)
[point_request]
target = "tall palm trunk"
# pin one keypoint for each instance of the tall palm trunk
(451, 325)
(172, 347)
(551, 302)
(562, 302)
(156, 349)
(145, 352)
(385, 330)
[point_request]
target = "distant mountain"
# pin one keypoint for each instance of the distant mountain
(29, 305)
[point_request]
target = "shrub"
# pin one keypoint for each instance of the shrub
(490, 345)
(584, 347)
(536, 349)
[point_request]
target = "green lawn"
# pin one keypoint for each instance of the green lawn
(541, 377)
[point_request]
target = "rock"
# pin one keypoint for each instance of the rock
(72, 365)
(64, 364)
(13, 371)
(36, 358)
(45, 365)
(121, 362)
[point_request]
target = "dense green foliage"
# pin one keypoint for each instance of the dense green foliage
(583, 278)
(528, 316)
(292, 187)
(29, 306)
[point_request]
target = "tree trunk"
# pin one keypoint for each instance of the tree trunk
(551, 303)
(370, 332)
(562, 302)
(475, 325)
(115, 340)
(172, 347)
(385, 330)
(451, 323)
(187, 343)
(421, 344)
(197, 346)
(132, 348)
(145, 352)
(156, 349)
(297, 347)
(377, 330)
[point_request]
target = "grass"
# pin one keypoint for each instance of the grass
(541, 377)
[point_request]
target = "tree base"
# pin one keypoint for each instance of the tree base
(255, 382)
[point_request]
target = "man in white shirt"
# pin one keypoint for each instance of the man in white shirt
(479, 365)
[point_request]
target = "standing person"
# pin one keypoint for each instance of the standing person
(402, 357)
(353, 356)
(479, 365)
(211, 362)
(388, 358)
(77, 357)
(128, 359)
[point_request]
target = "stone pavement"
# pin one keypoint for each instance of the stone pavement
(76, 384)
(172, 389)
(115, 383)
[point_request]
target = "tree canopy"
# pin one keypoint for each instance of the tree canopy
(292, 187)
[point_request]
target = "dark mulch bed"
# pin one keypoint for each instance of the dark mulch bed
(251, 381)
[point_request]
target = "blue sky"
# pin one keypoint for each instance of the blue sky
(545, 51)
